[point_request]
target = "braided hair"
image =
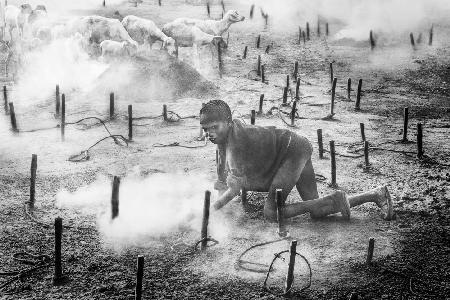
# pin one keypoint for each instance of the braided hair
(215, 110)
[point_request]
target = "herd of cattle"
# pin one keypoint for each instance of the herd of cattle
(25, 28)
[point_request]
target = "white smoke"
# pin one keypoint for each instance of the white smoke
(153, 206)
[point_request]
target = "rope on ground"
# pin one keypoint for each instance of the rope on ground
(240, 262)
(177, 144)
(84, 154)
(278, 255)
(37, 262)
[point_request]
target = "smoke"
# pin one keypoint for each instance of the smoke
(353, 18)
(154, 206)
(62, 62)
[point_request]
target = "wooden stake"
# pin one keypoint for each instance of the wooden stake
(307, 31)
(430, 36)
(263, 74)
(164, 112)
(33, 180)
(267, 49)
(104, 3)
(285, 93)
(5, 98)
(419, 141)
(57, 100)
(139, 277)
(280, 213)
(370, 251)
(57, 278)
(372, 41)
(130, 122)
(204, 233)
(297, 89)
(295, 70)
(304, 37)
(363, 135)
(294, 110)
(111, 105)
(253, 117)
(261, 103)
(411, 39)
(115, 198)
(208, 11)
(258, 70)
(223, 6)
(252, 8)
(63, 116)
(318, 28)
(333, 96)
(349, 88)
(287, 81)
(299, 35)
(258, 41)
(366, 153)
(290, 273)
(405, 125)
(219, 57)
(327, 32)
(419, 38)
(320, 142)
(159, 2)
(358, 95)
(331, 72)
(333, 164)
(12, 115)
(245, 52)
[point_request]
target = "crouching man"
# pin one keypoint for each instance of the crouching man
(264, 159)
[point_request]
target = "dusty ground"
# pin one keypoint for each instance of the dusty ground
(415, 245)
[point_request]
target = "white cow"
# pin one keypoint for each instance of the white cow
(145, 31)
(117, 49)
(212, 26)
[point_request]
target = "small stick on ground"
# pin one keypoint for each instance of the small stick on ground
(320, 142)
(57, 101)
(363, 134)
(333, 164)
(370, 251)
(307, 31)
(366, 154)
(139, 277)
(419, 141)
(258, 41)
(358, 96)
(12, 115)
(111, 105)
(430, 36)
(130, 122)
(411, 39)
(33, 181)
(290, 273)
(58, 276)
(372, 41)
(245, 52)
(63, 116)
(253, 117)
(261, 103)
(204, 232)
(405, 125)
(349, 88)
(115, 198)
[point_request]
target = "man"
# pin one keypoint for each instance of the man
(265, 159)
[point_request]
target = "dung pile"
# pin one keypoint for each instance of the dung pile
(157, 76)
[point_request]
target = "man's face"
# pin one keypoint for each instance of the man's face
(216, 131)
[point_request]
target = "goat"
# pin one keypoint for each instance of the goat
(145, 31)
(212, 26)
(190, 36)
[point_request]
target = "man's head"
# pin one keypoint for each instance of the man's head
(215, 119)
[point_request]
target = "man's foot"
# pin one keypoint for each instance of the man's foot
(384, 202)
(342, 205)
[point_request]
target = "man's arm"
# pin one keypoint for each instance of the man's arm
(234, 184)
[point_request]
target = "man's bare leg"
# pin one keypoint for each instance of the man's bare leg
(306, 185)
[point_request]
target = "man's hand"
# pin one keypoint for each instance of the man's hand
(235, 182)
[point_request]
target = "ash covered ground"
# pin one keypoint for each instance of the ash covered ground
(162, 188)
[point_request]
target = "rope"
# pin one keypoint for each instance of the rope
(36, 261)
(84, 154)
(177, 144)
(240, 262)
(277, 255)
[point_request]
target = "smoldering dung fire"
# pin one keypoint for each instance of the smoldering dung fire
(153, 206)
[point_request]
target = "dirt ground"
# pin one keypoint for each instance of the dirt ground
(411, 257)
